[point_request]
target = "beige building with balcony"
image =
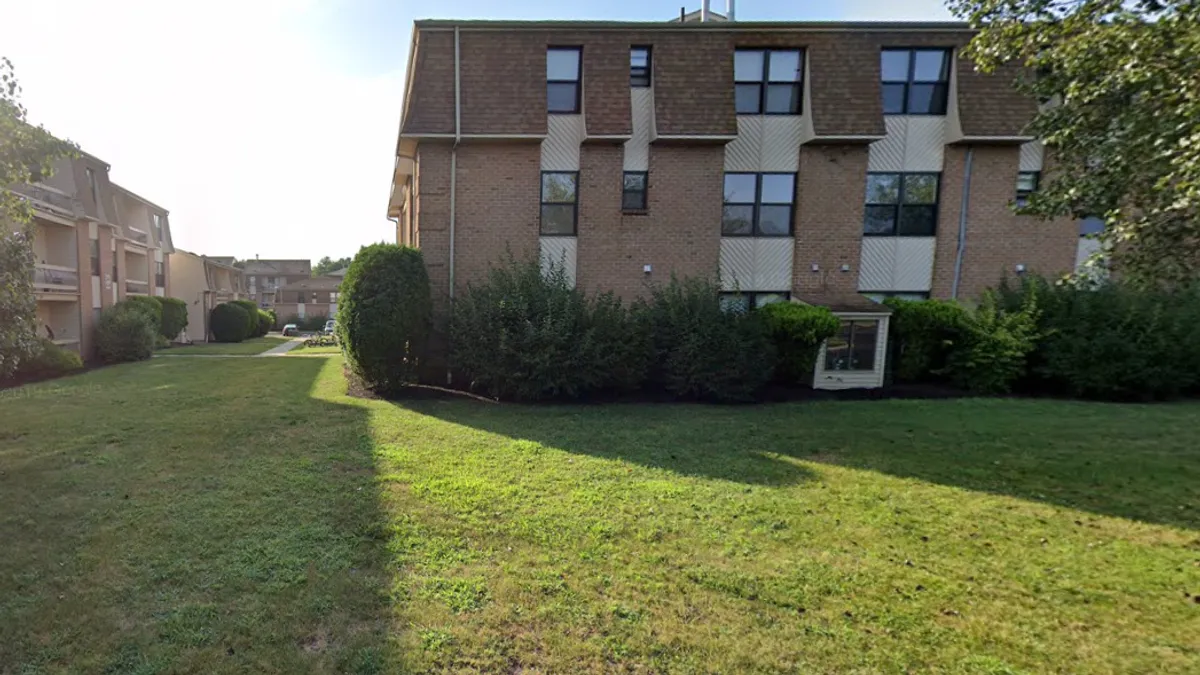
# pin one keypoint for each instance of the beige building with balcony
(266, 279)
(203, 283)
(95, 243)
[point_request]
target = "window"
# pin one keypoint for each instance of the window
(915, 81)
(901, 204)
(562, 79)
(639, 66)
(853, 348)
(880, 296)
(160, 275)
(742, 302)
(560, 202)
(758, 204)
(1027, 184)
(158, 231)
(767, 81)
(95, 255)
(94, 186)
(633, 191)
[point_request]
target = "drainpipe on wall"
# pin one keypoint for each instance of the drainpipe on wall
(454, 155)
(962, 223)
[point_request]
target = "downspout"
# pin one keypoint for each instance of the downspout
(962, 223)
(454, 155)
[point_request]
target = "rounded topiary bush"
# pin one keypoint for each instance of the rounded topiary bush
(798, 332)
(384, 315)
(251, 316)
(174, 317)
(265, 322)
(151, 305)
(125, 333)
(229, 322)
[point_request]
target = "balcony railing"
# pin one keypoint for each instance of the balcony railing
(59, 201)
(137, 287)
(55, 279)
(139, 236)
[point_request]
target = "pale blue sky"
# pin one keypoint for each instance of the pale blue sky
(267, 126)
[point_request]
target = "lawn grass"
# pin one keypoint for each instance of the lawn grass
(328, 349)
(246, 347)
(272, 524)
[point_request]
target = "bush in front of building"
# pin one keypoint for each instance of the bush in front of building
(384, 315)
(265, 322)
(251, 316)
(700, 351)
(992, 351)
(125, 332)
(49, 360)
(527, 334)
(148, 304)
(923, 333)
(1112, 341)
(229, 322)
(798, 332)
(174, 317)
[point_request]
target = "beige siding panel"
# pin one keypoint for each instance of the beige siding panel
(841, 379)
(781, 143)
(637, 148)
(737, 263)
(95, 292)
(913, 270)
(560, 250)
(924, 143)
(773, 263)
(1032, 156)
(744, 153)
(93, 230)
(560, 148)
(877, 263)
(888, 154)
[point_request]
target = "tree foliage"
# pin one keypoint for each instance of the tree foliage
(326, 265)
(27, 153)
(1122, 79)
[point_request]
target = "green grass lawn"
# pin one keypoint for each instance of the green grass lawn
(195, 515)
(247, 347)
(303, 350)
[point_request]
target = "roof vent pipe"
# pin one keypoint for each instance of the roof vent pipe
(704, 7)
(729, 10)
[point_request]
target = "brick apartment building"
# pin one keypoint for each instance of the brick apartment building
(267, 278)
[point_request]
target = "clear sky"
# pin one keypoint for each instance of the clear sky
(267, 126)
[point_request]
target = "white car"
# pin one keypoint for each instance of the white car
(329, 326)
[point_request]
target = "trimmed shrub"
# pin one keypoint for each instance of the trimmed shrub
(125, 332)
(174, 317)
(384, 315)
(251, 316)
(49, 360)
(148, 304)
(1112, 341)
(229, 322)
(528, 335)
(702, 352)
(991, 353)
(798, 332)
(923, 333)
(265, 321)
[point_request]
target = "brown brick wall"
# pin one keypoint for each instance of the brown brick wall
(693, 84)
(429, 104)
(829, 217)
(989, 104)
(679, 233)
(997, 239)
(498, 206)
(504, 81)
(844, 69)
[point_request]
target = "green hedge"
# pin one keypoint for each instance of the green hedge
(526, 335)
(49, 360)
(265, 321)
(125, 332)
(174, 317)
(149, 304)
(923, 332)
(798, 332)
(251, 316)
(229, 322)
(384, 315)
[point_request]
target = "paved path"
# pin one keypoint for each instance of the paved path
(281, 349)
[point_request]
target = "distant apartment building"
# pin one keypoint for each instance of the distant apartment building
(307, 298)
(266, 278)
(798, 160)
(95, 243)
(204, 282)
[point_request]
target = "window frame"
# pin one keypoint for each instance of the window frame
(752, 298)
(577, 82)
(756, 206)
(641, 77)
(542, 203)
(764, 82)
(1022, 197)
(850, 347)
(899, 203)
(160, 274)
(645, 192)
(94, 256)
(948, 55)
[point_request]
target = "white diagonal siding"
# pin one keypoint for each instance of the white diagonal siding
(924, 143)
(888, 154)
(744, 153)
(1032, 156)
(559, 250)
(637, 148)
(773, 263)
(737, 263)
(560, 149)
(780, 146)
(914, 264)
(876, 267)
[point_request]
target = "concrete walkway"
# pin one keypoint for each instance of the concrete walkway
(281, 349)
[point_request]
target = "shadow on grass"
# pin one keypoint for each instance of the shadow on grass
(1130, 461)
(191, 515)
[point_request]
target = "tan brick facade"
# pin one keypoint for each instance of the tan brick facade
(829, 217)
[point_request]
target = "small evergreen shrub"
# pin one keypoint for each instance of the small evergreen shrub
(174, 317)
(49, 360)
(702, 352)
(125, 332)
(384, 315)
(148, 304)
(528, 334)
(265, 321)
(251, 316)
(798, 332)
(923, 333)
(229, 322)
(991, 354)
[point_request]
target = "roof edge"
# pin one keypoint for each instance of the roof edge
(675, 25)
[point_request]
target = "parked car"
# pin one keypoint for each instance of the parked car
(329, 326)
(291, 329)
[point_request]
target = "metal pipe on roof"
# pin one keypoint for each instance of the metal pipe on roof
(704, 6)
(729, 10)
